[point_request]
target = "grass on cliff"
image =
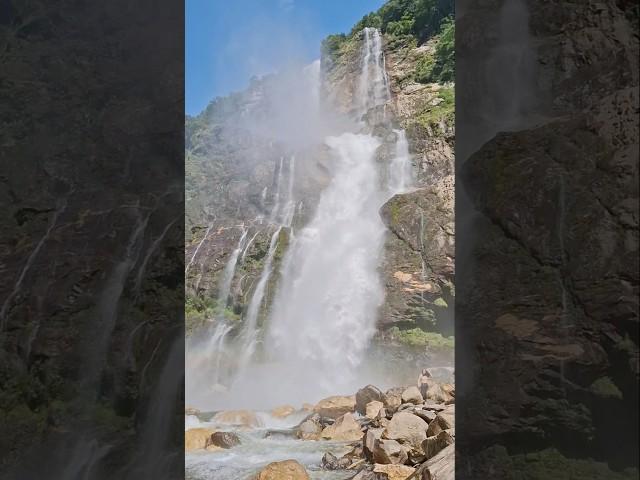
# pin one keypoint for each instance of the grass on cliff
(417, 337)
(444, 112)
(197, 310)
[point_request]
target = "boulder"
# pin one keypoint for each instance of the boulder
(408, 429)
(224, 440)
(197, 438)
(392, 472)
(370, 437)
(393, 399)
(336, 406)
(440, 467)
(285, 470)
(373, 409)
(310, 428)
(330, 461)
(443, 421)
(283, 411)
(449, 389)
(427, 415)
(412, 395)
(433, 445)
(239, 418)
(345, 429)
(435, 392)
(389, 452)
(367, 395)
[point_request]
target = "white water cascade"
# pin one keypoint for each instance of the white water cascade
(373, 88)
(324, 314)
(400, 168)
(230, 270)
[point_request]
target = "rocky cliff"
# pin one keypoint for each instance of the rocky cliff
(551, 286)
(235, 167)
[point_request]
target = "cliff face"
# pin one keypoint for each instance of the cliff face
(228, 195)
(556, 236)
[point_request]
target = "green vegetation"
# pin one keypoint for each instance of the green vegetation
(604, 387)
(420, 19)
(439, 68)
(444, 111)
(199, 309)
(551, 465)
(405, 23)
(417, 337)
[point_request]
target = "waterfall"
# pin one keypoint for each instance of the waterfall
(249, 243)
(373, 89)
(400, 169)
(154, 246)
(230, 270)
(195, 253)
(324, 311)
(276, 202)
(8, 303)
(290, 207)
(155, 435)
(251, 319)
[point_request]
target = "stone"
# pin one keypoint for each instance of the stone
(440, 467)
(197, 438)
(285, 470)
(427, 415)
(408, 429)
(370, 437)
(330, 461)
(392, 472)
(366, 395)
(393, 399)
(336, 406)
(310, 428)
(224, 440)
(240, 418)
(435, 392)
(431, 446)
(345, 429)
(373, 409)
(449, 389)
(443, 421)
(412, 395)
(389, 452)
(283, 411)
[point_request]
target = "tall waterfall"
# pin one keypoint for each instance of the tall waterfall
(324, 311)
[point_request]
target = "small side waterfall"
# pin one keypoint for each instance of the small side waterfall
(195, 252)
(400, 168)
(8, 303)
(251, 320)
(230, 270)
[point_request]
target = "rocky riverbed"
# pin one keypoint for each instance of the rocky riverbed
(372, 435)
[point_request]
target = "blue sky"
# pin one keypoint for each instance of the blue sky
(228, 41)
